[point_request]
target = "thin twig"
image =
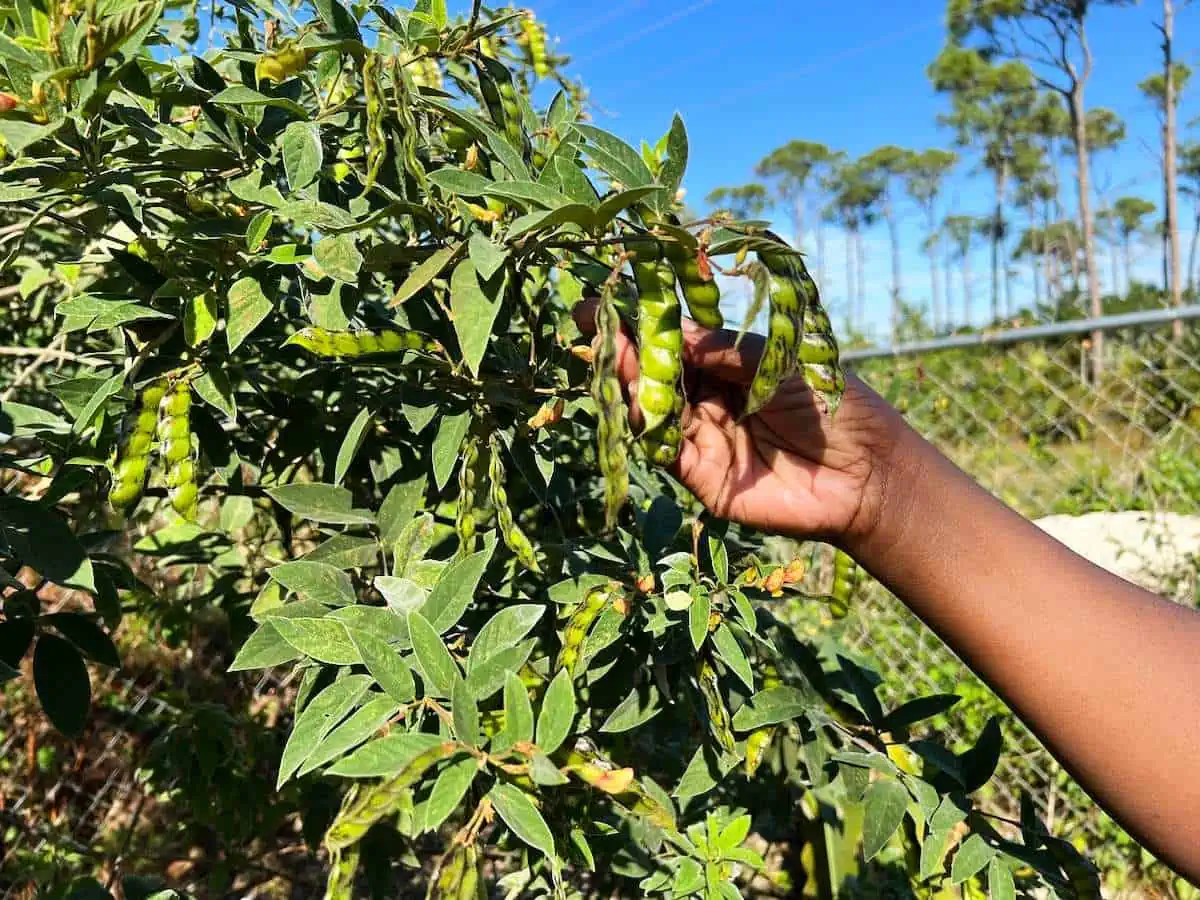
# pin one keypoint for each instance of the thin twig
(44, 356)
(50, 352)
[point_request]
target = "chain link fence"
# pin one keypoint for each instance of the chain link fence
(1023, 411)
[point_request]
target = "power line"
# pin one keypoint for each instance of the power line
(774, 81)
(648, 30)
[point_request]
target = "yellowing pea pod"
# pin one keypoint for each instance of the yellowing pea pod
(612, 430)
(533, 36)
(132, 466)
(720, 723)
(284, 63)
(329, 344)
(516, 539)
(343, 866)
(376, 137)
(578, 626)
(175, 447)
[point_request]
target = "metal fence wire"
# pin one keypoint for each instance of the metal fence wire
(1024, 411)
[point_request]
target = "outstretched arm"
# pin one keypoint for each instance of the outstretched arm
(1104, 672)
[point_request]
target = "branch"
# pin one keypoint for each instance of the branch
(44, 356)
(52, 353)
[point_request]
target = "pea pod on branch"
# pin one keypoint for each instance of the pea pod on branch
(175, 448)
(514, 537)
(132, 466)
(613, 415)
(329, 344)
(660, 355)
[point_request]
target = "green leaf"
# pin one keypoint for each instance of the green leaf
(488, 677)
(698, 614)
(239, 95)
(324, 639)
(557, 714)
(979, 763)
(456, 588)
(438, 667)
(720, 559)
(541, 220)
(340, 21)
(700, 777)
(933, 850)
(384, 756)
(518, 715)
(972, 855)
(386, 665)
(474, 313)
(733, 834)
(264, 649)
(502, 631)
(884, 806)
(619, 202)
(615, 158)
(448, 443)
(770, 707)
(522, 817)
(528, 192)
(248, 307)
(39, 538)
(321, 503)
(486, 256)
(403, 502)
(339, 257)
(677, 159)
(448, 792)
(1000, 881)
(383, 622)
(365, 721)
(464, 712)
(639, 706)
(318, 581)
(350, 444)
(87, 636)
(424, 273)
(543, 771)
(915, 710)
(857, 758)
(258, 229)
(63, 687)
(459, 181)
(302, 153)
(346, 551)
(319, 717)
(200, 315)
(315, 214)
(214, 388)
(732, 654)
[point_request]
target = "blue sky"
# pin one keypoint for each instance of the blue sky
(749, 75)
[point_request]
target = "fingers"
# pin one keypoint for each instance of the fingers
(714, 352)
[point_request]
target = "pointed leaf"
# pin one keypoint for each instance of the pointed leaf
(973, 854)
(318, 581)
(248, 307)
(464, 712)
(438, 667)
(448, 444)
(350, 444)
(319, 717)
(522, 817)
(326, 640)
(64, 689)
(884, 806)
(302, 153)
(557, 714)
(386, 666)
(474, 313)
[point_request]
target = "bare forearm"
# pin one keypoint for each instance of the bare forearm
(1103, 671)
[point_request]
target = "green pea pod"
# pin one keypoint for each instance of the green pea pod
(578, 627)
(820, 361)
(343, 866)
(376, 136)
(703, 296)
(464, 519)
(500, 98)
(447, 880)
(516, 539)
(760, 739)
(175, 447)
(354, 820)
(132, 466)
(613, 425)
(845, 580)
(534, 37)
(720, 723)
(660, 355)
(353, 344)
(785, 327)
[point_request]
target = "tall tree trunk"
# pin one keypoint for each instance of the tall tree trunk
(1169, 161)
(948, 281)
(966, 280)
(861, 286)
(850, 316)
(894, 234)
(1035, 254)
(820, 255)
(1079, 131)
(1128, 253)
(1192, 256)
(935, 300)
(1114, 259)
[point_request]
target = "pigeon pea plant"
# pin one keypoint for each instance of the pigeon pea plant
(316, 274)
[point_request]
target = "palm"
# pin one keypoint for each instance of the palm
(789, 469)
(786, 469)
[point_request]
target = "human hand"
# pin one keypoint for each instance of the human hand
(788, 469)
